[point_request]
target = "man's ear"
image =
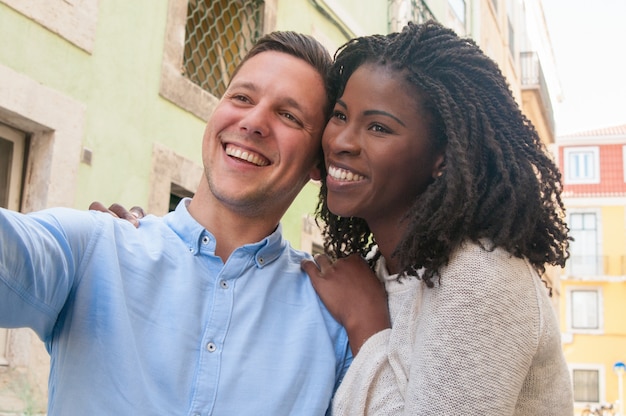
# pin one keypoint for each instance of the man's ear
(316, 173)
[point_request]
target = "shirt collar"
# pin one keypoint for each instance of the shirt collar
(192, 233)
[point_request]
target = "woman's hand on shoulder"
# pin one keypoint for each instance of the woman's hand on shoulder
(353, 295)
(133, 215)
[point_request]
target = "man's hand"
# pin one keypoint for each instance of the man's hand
(133, 215)
(353, 295)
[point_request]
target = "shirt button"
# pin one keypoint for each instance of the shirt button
(205, 240)
(261, 260)
(224, 284)
(211, 347)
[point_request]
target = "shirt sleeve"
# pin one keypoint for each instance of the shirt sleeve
(472, 341)
(38, 264)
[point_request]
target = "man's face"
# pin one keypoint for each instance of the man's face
(262, 141)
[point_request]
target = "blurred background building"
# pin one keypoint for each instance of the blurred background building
(593, 164)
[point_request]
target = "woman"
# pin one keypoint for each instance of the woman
(437, 177)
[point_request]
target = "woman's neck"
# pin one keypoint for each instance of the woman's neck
(387, 238)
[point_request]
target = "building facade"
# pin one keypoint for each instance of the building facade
(107, 101)
(593, 164)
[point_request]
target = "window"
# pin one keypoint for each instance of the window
(217, 33)
(585, 257)
(403, 11)
(624, 161)
(588, 383)
(311, 239)
(173, 178)
(582, 165)
(12, 145)
(217, 36)
(585, 306)
(457, 15)
(510, 19)
(458, 7)
(177, 193)
(584, 309)
(586, 386)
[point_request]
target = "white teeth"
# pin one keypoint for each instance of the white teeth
(245, 155)
(344, 175)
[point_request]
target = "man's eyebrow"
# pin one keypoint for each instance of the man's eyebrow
(374, 112)
(290, 102)
(295, 104)
(244, 84)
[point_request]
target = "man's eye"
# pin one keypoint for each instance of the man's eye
(242, 98)
(292, 118)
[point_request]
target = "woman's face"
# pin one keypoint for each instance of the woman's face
(378, 147)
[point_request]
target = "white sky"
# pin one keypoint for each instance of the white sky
(589, 44)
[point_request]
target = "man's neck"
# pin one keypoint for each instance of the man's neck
(230, 228)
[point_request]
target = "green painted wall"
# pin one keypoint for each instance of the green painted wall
(119, 85)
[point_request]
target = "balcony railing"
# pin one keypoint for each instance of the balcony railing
(533, 78)
(592, 266)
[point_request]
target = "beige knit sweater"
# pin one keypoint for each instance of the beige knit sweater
(484, 342)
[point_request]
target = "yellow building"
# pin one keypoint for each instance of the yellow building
(593, 285)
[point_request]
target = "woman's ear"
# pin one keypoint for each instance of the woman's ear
(439, 166)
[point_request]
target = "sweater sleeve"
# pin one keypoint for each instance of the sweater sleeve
(369, 386)
(463, 347)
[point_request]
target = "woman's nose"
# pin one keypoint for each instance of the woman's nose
(340, 140)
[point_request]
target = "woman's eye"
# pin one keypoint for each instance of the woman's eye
(339, 115)
(379, 128)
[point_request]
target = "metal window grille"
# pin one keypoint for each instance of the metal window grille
(403, 11)
(218, 34)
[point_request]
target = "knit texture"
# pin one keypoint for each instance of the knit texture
(484, 342)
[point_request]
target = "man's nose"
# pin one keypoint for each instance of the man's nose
(255, 121)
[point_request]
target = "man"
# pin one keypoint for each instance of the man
(206, 310)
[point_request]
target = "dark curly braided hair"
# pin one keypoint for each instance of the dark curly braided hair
(499, 188)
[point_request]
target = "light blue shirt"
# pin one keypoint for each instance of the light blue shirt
(149, 321)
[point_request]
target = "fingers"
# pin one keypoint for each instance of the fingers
(97, 206)
(138, 212)
(310, 267)
(123, 213)
(316, 267)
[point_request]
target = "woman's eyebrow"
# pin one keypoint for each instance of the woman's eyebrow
(383, 113)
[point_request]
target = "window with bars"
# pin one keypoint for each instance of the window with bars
(218, 34)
